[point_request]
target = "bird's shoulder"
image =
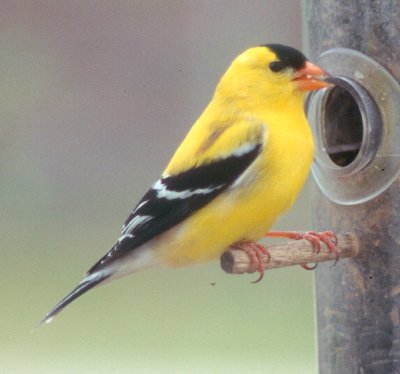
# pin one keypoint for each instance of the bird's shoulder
(209, 141)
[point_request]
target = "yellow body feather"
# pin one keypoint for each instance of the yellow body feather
(250, 103)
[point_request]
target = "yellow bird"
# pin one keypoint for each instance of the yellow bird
(241, 165)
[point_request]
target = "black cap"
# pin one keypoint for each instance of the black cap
(289, 56)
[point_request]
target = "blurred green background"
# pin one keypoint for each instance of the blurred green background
(95, 96)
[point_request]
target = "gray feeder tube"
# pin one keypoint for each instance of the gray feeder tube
(357, 125)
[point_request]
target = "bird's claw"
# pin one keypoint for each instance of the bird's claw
(305, 266)
(256, 253)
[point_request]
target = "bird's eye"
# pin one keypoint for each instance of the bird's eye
(276, 66)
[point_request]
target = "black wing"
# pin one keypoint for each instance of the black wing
(174, 198)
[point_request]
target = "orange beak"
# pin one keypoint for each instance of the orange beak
(311, 77)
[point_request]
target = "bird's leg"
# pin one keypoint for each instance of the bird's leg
(256, 252)
(315, 238)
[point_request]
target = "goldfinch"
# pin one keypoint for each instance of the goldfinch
(240, 167)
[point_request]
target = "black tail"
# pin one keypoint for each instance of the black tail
(89, 282)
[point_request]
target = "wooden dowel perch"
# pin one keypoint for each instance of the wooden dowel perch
(298, 252)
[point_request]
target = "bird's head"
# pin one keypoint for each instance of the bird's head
(272, 72)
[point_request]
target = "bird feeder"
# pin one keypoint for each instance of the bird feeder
(357, 185)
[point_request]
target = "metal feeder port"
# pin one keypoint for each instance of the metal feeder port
(356, 124)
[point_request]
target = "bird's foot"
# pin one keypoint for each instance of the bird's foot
(256, 253)
(329, 238)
